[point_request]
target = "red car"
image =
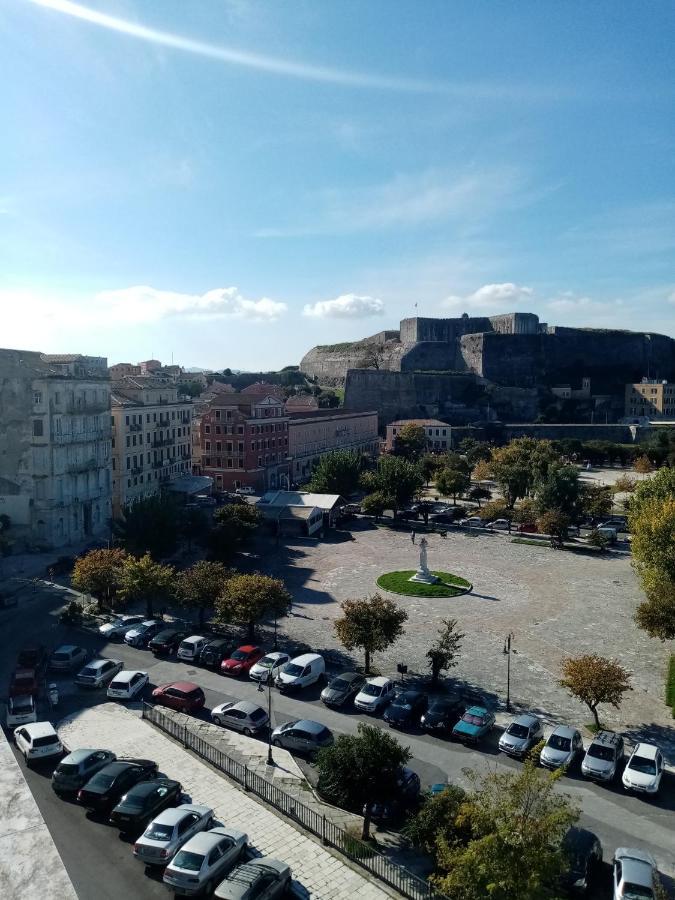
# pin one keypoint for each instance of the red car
(185, 696)
(23, 681)
(241, 660)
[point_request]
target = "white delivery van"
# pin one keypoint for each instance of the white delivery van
(301, 672)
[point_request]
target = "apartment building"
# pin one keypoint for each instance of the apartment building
(55, 447)
(315, 432)
(438, 434)
(151, 438)
(650, 399)
(243, 440)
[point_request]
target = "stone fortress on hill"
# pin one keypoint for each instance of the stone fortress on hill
(510, 367)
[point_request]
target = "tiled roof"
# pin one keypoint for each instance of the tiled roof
(423, 422)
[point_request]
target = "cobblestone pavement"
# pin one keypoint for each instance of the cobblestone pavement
(556, 603)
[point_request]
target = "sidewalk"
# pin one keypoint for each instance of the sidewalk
(317, 873)
(30, 865)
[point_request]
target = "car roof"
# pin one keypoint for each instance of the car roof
(194, 638)
(275, 654)
(633, 853)
(305, 658)
(143, 788)
(410, 694)
(206, 840)
(97, 663)
(246, 706)
(176, 814)
(310, 726)
(648, 751)
(477, 710)
(23, 673)
(128, 674)
(39, 729)
(638, 867)
(166, 631)
(564, 731)
(78, 755)
(219, 641)
(349, 676)
(379, 680)
(65, 648)
(526, 719)
(608, 738)
(247, 648)
(186, 687)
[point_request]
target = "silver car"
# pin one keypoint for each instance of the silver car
(521, 736)
(68, 658)
(562, 748)
(168, 831)
(262, 879)
(244, 716)
(118, 627)
(634, 874)
(204, 861)
(603, 757)
(98, 672)
(75, 770)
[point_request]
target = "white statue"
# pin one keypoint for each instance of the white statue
(423, 574)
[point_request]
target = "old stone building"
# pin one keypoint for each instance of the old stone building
(55, 447)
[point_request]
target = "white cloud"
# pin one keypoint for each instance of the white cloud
(143, 304)
(491, 297)
(568, 301)
(347, 306)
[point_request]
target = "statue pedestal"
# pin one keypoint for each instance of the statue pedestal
(425, 577)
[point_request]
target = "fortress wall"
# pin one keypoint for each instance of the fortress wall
(515, 323)
(448, 330)
(432, 355)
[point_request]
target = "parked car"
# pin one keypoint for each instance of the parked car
(34, 656)
(302, 736)
(603, 757)
(127, 684)
(407, 794)
(169, 831)
(37, 741)
(215, 652)
(109, 784)
(263, 879)
(406, 709)
(268, 666)
(143, 802)
(243, 716)
(185, 696)
(521, 735)
(563, 746)
(442, 714)
(75, 769)
(242, 660)
(301, 672)
(20, 710)
(141, 635)
(68, 658)
(116, 629)
(342, 688)
(244, 490)
(499, 525)
(98, 672)
(204, 860)
(166, 641)
(375, 694)
(583, 852)
(23, 681)
(190, 649)
(472, 522)
(474, 724)
(634, 874)
(644, 770)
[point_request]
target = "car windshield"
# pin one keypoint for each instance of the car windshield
(119, 685)
(471, 719)
(67, 769)
(442, 706)
(257, 714)
(267, 662)
(46, 740)
(102, 781)
(402, 702)
(22, 704)
(642, 764)
(133, 802)
(23, 680)
(158, 832)
(292, 669)
(599, 752)
(88, 671)
(60, 657)
(636, 892)
(239, 654)
(186, 860)
(339, 684)
(372, 690)
(517, 730)
(558, 742)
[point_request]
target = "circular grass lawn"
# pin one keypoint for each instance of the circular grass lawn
(399, 583)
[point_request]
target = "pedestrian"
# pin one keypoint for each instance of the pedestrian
(412, 536)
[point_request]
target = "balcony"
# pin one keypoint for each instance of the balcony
(86, 408)
(87, 465)
(135, 426)
(81, 437)
(137, 470)
(158, 463)
(162, 442)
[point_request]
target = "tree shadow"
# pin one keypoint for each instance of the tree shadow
(661, 735)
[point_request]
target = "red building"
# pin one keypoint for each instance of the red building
(244, 442)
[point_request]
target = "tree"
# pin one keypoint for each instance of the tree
(145, 579)
(194, 525)
(361, 767)
(652, 521)
(248, 599)
(150, 525)
(437, 819)
(656, 614)
(429, 465)
(516, 822)
(595, 501)
(660, 486)
(426, 507)
(200, 585)
(643, 465)
(482, 471)
(442, 655)
(555, 523)
(526, 511)
(475, 451)
(372, 355)
(189, 388)
(496, 509)
(451, 482)
(398, 480)
(456, 462)
(560, 490)
(479, 493)
(520, 465)
(337, 473)
(98, 573)
(370, 624)
(233, 526)
(594, 680)
(624, 484)
(375, 504)
(410, 441)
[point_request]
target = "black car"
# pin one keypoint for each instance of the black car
(215, 652)
(167, 641)
(144, 801)
(33, 656)
(584, 860)
(406, 709)
(408, 789)
(342, 688)
(442, 714)
(107, 787)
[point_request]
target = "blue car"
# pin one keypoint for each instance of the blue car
(476, 722)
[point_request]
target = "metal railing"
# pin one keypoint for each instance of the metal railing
(401, 879)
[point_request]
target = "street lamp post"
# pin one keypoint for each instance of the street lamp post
(508, 651)
(270, 759)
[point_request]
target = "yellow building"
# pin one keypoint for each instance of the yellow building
(650, 399)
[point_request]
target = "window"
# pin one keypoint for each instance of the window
(37, 428)
(207, 445)
(37, 397)
(207, 429)
(126, 420)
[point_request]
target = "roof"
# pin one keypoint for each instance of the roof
(339, 413)
(647, 751)
(175, 814)
(78, 755)
(324, 502)
(527, 719)
(310, 725)
(564, 731)
(379, 680)
(305, 658)
(40, 729)
(400, 422)
(207, 840)
(246, 706)
(185, 686)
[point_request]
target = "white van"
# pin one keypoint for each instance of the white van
(245, 490)
(127, 685)
(37, 740)
(191, 648)
(301, 672)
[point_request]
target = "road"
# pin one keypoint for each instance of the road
(618, 819)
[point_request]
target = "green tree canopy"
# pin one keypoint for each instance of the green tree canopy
(442, 655)
(150, 525)
(98, 573)
(556, 524)
(457, 463)
(437, 821)
(397, 479)
(429, 465)
(144, 579)
(199, 586)
(249, 599)
(451, 482)
(594, 680)
(410, 441)
(361, 769)
(337, 473)
(560, 489)
(520, 465)
(371, 624)
(375, 504)
(193, 525)
(233, 526)
(595, 501)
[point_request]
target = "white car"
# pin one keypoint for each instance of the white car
(98, 672)
(268, 665)
(169, 831)
(499, 525)
(37, 741)
(204, 861)
(118, 627)
(20, 710)
(191, 648)
(644, 770)
(127, 684)
(472, 522)
(375, 694)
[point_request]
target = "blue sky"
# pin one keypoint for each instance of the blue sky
(234, 182)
